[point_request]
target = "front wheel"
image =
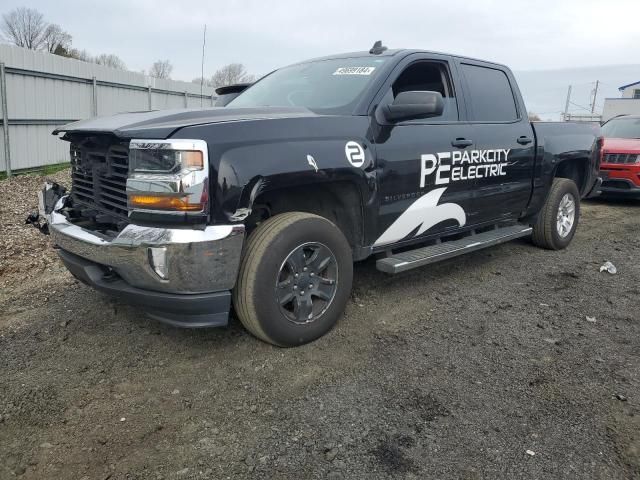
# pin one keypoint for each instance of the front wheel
(557, 222)
(294, 280)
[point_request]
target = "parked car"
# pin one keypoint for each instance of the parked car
(620, 166)
(406, 155)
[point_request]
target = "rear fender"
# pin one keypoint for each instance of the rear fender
(578, 144)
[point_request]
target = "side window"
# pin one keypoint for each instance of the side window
(491, 95)
(428, 76)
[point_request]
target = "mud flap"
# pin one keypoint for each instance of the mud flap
(595, 190)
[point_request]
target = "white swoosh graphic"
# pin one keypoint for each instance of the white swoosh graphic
(423, 213)
(312, 161)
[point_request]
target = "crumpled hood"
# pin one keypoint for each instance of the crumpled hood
(160, 124)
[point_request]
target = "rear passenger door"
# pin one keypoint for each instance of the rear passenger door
(503, 137)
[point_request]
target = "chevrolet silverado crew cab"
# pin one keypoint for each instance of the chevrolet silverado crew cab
(409, 156)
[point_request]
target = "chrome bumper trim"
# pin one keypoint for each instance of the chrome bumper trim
(198, 261)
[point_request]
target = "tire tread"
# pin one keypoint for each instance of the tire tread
(542, 235)
(257, 245)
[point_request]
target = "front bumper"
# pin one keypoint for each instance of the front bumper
(620, 187)
(620, 180)
(199, 266)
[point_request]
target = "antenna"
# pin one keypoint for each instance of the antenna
(204, 42)
(377, 48)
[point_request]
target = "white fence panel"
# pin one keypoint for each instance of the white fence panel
(162, 101)
(116, 100)
(35, 146)
(31, 97)
(45, 90)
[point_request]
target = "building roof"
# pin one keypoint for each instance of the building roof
(630, 85)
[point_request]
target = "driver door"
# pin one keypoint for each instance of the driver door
(417, 198)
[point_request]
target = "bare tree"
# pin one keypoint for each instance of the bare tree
(161, 69)
(24, 27)
(205, 81)
(27, 28)
(534, 117)
(230, 74)
(110, 60)
(82, 55)
(56, 40)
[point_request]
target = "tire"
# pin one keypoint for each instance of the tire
(546, 231)
(283, 255)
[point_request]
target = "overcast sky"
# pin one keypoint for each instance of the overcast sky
(263, 35)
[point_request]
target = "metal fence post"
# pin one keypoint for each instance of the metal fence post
(149, 95)
(95, 97)
(213, 100)
(5, 120)
(186, 100)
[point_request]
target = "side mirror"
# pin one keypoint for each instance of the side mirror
(413, 105)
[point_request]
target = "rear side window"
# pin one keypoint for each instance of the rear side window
(491, 95)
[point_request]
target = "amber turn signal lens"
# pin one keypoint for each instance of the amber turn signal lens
(192, 160)
(154, 202)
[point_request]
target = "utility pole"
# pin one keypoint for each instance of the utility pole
(204, 42)
(595, 94)
(5, 120)
(566, 105)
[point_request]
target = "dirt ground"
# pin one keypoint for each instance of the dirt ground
(512, 362)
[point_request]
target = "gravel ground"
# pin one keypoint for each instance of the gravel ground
(512, 362)
(24, 252)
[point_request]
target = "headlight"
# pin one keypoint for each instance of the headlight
(163, 160)
(168, 176)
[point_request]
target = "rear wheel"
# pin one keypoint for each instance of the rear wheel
(294, 280)
(558, 219)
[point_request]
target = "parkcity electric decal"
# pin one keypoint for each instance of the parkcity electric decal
(447, 167)
(463, 165)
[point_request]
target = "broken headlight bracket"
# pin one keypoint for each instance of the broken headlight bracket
(47, 198)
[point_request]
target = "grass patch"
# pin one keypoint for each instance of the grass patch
(44, 170)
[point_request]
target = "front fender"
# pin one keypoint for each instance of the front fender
(247, 171)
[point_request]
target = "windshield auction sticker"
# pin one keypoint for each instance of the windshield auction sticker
(354, 71)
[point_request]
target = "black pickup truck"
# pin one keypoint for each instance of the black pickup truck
(411, 156)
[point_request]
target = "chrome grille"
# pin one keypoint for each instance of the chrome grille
(99, 176)
(621, 158)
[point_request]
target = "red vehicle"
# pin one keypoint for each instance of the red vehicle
(620, 166)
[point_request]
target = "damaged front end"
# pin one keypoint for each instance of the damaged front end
(134, 225)
(48, 197)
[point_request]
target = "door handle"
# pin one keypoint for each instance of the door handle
(461, 142)
(524, 140)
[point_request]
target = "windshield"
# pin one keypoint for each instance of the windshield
(622, 128)
(323, 86)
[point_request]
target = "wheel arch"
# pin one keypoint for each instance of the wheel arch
(341, 202)
(575, 169)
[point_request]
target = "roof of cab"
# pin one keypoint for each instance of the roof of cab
(398, 51)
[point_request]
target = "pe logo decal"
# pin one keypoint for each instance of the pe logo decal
(354, 153)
